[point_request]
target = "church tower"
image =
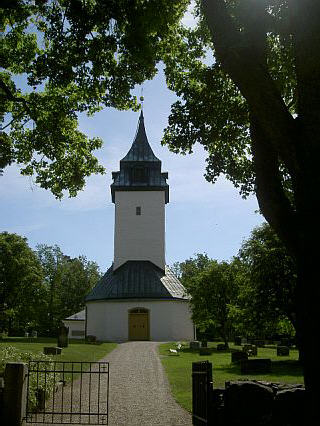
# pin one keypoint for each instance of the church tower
(139, 298)
(140, 192)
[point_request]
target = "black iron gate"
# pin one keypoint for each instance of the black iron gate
(63, 392)
(201, 393)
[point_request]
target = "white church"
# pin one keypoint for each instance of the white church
(139, 298)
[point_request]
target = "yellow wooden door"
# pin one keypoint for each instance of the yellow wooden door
(138, 326)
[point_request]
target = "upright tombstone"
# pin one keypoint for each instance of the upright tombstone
(194, 344)
(283, 351)
(63, 336)
(237, 340)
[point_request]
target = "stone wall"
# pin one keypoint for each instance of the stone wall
(258, 403)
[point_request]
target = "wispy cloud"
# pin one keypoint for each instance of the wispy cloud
(22, 229)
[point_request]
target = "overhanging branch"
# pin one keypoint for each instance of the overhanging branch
(271, 196)
(239, 57)
(12, 97)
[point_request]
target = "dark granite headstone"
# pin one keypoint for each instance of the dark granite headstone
(237, 356)
(253, 366)
(204, 344)
(285, 342)
(51, 350)
(237, 340)
(205, 351)
(283, 351)
(63, 340)
(221, 347)
(194, 345)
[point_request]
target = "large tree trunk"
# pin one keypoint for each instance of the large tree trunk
(308, 324)
(281, 140)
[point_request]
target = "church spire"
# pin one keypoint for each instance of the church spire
(140, 149)
(140, 169)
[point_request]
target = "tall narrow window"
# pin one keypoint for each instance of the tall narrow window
(138, 211)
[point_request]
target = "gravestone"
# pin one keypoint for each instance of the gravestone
(285, 342)
(221, 347)
(34, 333)
(63, 340)
(237, 340)
(258, 365)
(194, 345)
(237, 356)
(205, 351)
(283, 351)
(251, 350)
(204, 344)
(52, 350)
(243, 340)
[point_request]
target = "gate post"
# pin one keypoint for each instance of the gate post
(202, 393)
(15, 393)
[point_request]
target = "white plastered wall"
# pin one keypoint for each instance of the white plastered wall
(170, 320)
(139, 237)
(75, 327)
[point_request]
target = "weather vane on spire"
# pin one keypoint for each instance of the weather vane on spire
(141, 98)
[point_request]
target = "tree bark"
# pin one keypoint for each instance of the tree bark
(278, 138)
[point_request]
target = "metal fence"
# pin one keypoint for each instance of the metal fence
(67, 392)
(201, 393)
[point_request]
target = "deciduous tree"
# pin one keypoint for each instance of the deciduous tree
(266, 278)
(21, 283)
(212, 288)
(248, 77)
(72, 56)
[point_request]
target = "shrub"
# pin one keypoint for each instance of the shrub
(36, 381)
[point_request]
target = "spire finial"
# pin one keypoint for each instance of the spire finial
(141, 100)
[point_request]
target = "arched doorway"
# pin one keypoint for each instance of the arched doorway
(138, 324)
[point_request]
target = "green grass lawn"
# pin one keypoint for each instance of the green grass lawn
(178, 369)
(77, 350)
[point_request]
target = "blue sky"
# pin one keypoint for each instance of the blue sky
(201, 217)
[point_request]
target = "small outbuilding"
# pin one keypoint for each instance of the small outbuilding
(76, 324)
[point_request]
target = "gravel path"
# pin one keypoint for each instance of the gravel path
(139, 393)
(139, 389)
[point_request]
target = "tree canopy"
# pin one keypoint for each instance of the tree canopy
(212, 289)
(72, 56)
(248, 78)
(266, 281)
(21, 282)
(40, 288)
(67, 281)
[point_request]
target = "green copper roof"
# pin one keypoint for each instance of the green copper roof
(138, 280)
(140, 169)
(140, 149)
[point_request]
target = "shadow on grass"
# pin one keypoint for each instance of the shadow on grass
(46, 340)
(213, 351)
(278, 369)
